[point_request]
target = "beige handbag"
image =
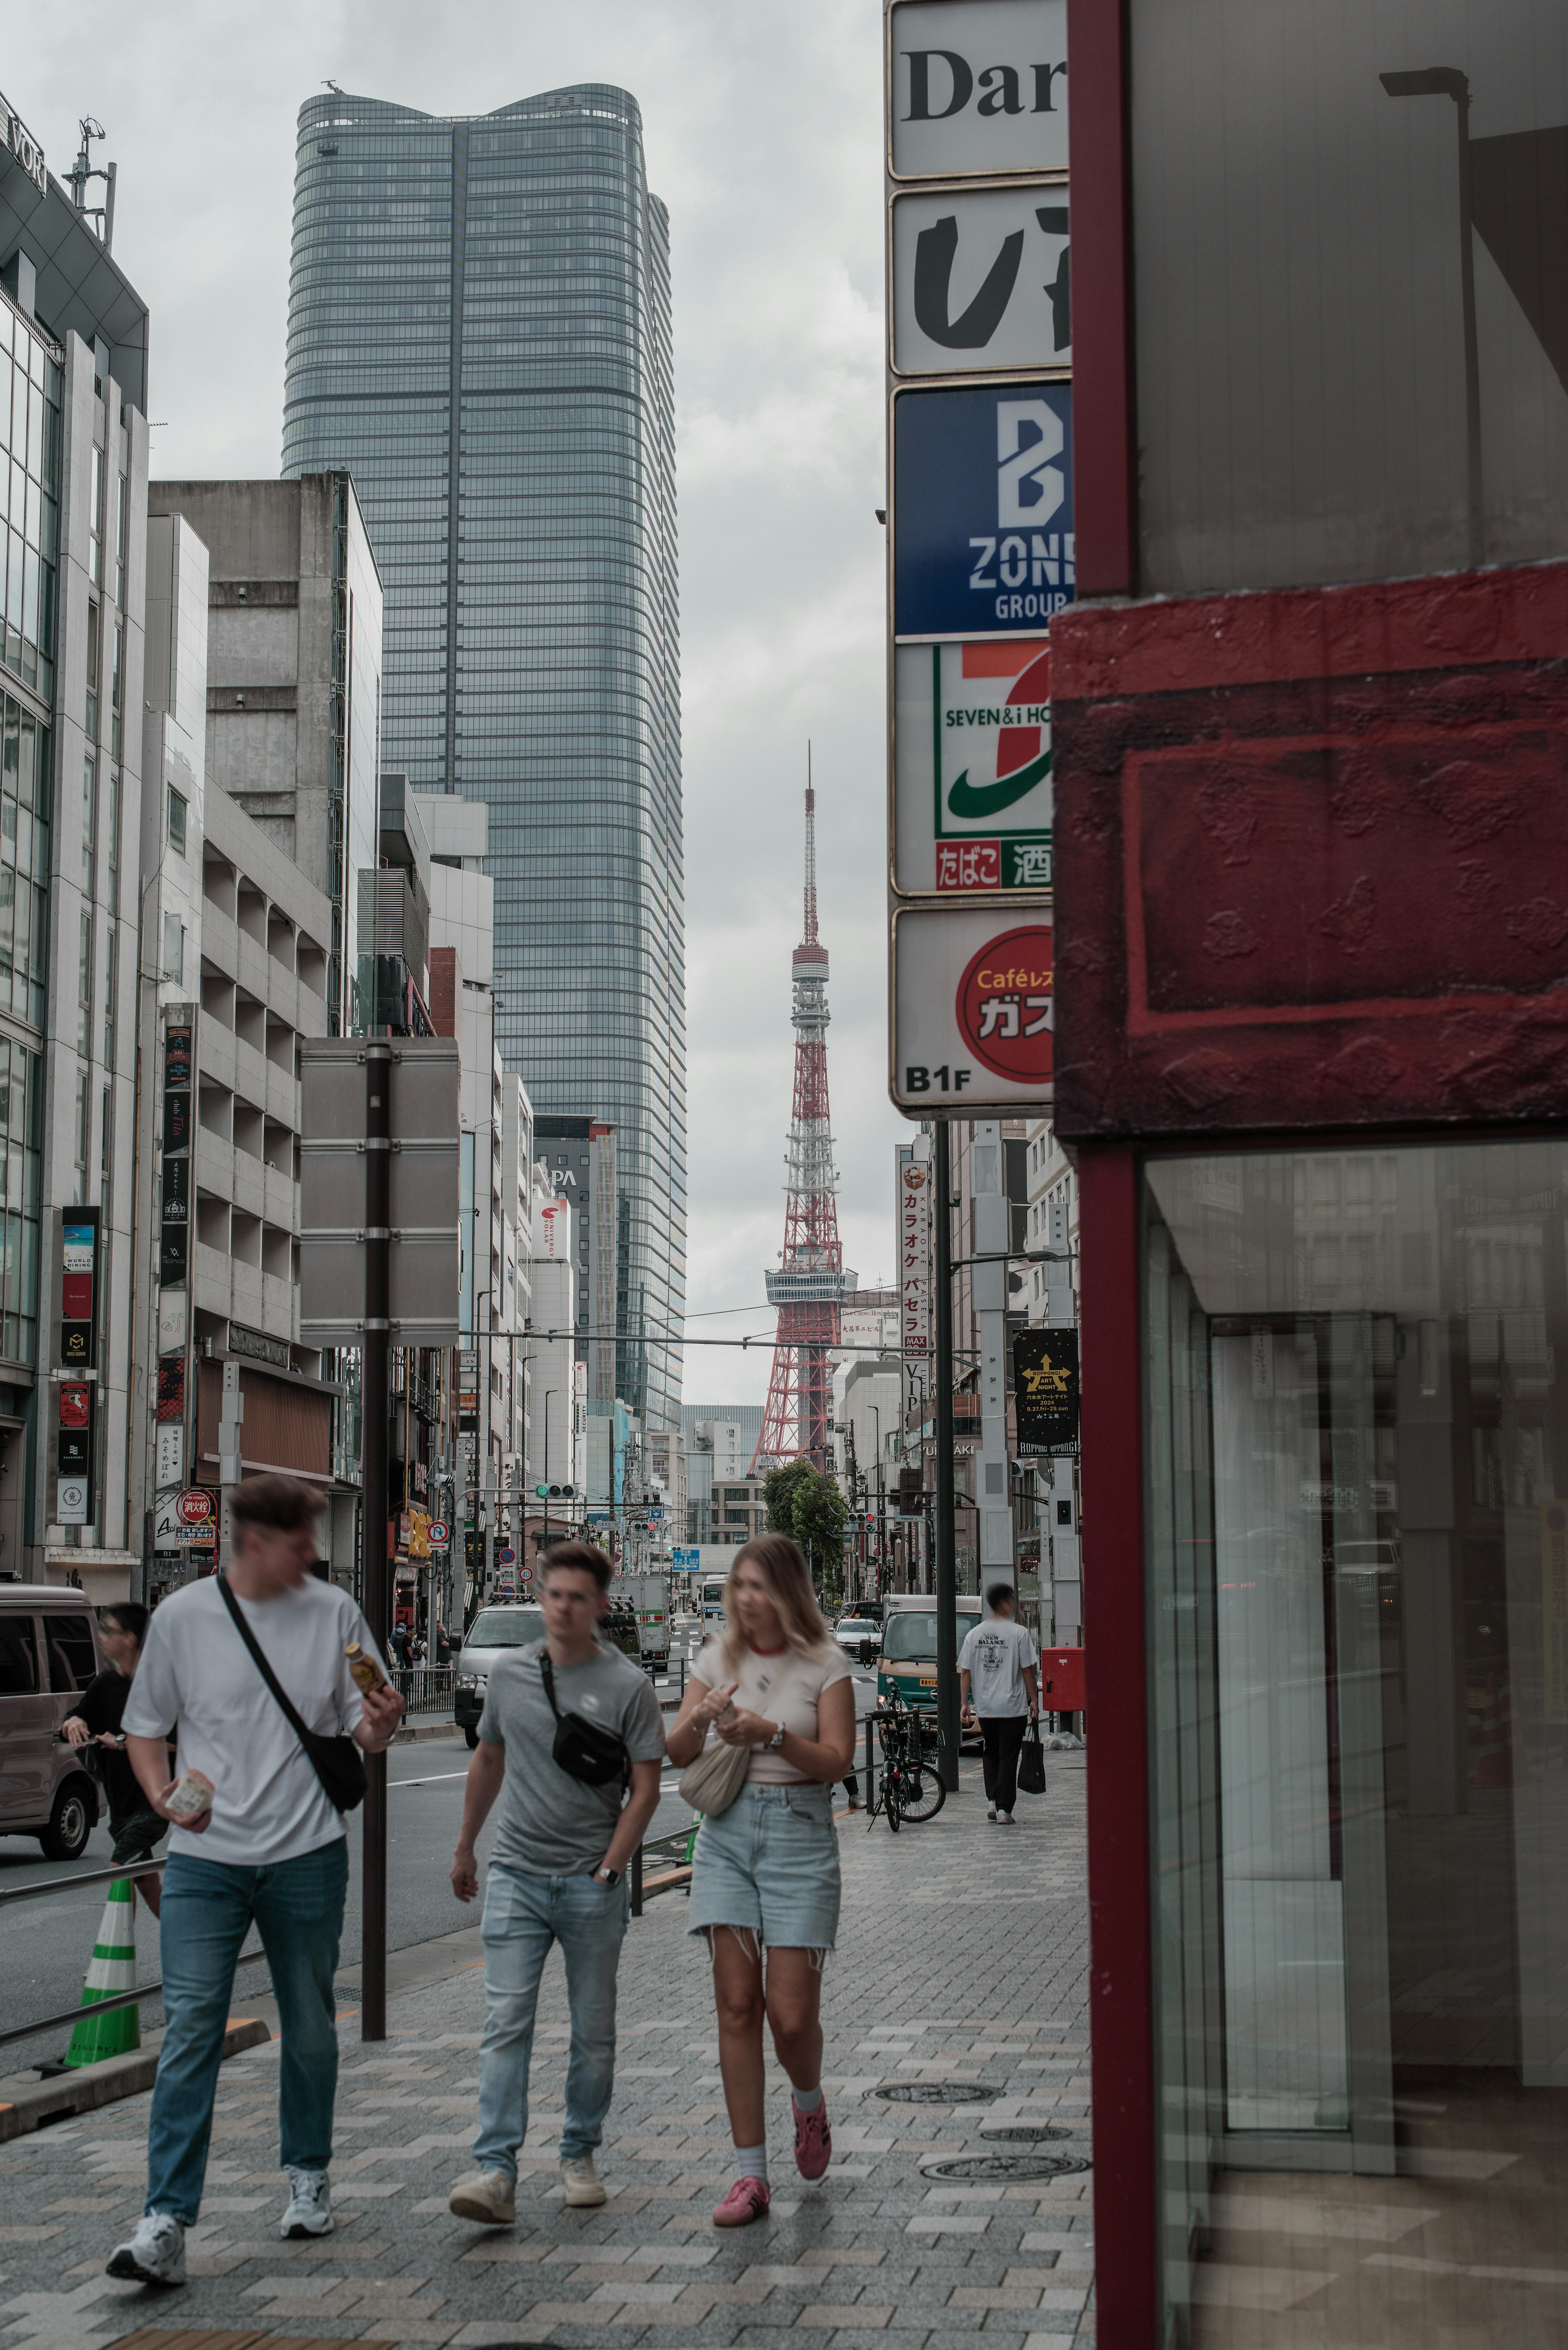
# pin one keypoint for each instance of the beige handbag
(713, 1782)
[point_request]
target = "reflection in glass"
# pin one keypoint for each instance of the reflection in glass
(1358, 1580)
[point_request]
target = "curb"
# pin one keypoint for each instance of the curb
(411, 1731)
(35, 2107)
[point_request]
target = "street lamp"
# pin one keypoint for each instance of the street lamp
(1447, 82)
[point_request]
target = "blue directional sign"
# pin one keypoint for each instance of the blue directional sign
(982, 509)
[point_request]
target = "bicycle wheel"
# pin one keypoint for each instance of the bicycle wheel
(921, 1794)
(893, 1785)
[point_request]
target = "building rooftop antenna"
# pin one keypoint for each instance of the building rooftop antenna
(82, 172)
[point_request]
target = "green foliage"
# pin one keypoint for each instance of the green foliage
(779, 1489)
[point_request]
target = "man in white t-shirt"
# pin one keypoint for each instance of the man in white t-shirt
(999, 1684)
(270, 1850)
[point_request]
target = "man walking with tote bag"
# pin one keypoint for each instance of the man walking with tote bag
(268, 1848)
(999, 1682)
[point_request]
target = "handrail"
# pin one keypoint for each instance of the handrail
(90, 1876)
(73, 2015)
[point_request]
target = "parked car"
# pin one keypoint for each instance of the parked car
(493, 1631)
(858, 1636)
(49, 1651)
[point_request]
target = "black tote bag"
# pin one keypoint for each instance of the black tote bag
(1032, 1763)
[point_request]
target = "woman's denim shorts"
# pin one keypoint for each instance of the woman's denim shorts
(769, 1866)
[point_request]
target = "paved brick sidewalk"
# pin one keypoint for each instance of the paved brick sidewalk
(963, 1957)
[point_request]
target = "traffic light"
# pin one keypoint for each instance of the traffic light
(555, 1492)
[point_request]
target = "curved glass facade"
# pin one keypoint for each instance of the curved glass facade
(479, 327)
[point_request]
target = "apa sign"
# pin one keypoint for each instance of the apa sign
(973, 1008)
(982, 509)
(980, 281)
(972, 767)
(977, 85)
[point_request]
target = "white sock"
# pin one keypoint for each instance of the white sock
(751, 2162)
(807, 2101)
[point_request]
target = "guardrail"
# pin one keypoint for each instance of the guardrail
(73, 2015)
(424, 1689)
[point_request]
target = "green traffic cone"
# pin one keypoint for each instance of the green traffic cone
(112, 1968)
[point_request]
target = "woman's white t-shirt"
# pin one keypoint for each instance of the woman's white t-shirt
(783, 1688)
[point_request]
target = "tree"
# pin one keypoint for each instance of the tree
(779, 1489)
(819, 1516)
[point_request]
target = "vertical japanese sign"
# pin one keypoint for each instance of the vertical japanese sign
(75, 1410)
(1046, 1390)
(980, 540)
(914, 1175)
(178, 1213)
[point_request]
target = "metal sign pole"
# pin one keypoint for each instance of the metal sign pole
(374, 1405)
(945, 1563)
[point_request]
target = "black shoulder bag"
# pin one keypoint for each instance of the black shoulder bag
(582, 1750)
(337, 1763)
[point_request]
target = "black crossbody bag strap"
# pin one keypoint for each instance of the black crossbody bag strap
(335, 1760)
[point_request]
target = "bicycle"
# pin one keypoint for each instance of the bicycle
(909, 1786)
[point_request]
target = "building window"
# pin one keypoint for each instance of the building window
(122, 540)
(90, 826)
(109, 962)
(106, 1149)
(176, 824)
(94, 550)
(94, 665)
(116, 690)
(21, 1156)
(83, 1121)
(173, 948)
(84, 987)
(111, 845)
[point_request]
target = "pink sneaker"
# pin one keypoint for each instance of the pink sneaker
(746, 2200)
(813, 2141)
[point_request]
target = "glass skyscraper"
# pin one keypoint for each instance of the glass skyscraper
(479, 327)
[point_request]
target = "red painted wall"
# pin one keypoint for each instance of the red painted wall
(1312, 857)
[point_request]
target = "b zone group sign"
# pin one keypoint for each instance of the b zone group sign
(982, 509)
(973, 1008)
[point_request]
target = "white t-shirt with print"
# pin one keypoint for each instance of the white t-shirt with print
(994, 1655)
(197, 1678)
(784, 1688)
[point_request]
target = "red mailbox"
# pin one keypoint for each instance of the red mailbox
(1062, 1678)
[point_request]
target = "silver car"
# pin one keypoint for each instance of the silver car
(494, 1630)
(49, 1651)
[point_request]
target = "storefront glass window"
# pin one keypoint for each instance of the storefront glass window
(1357, 1447)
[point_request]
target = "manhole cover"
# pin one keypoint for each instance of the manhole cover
(935, 2093)
(1024, 2133)
(1004, 2166)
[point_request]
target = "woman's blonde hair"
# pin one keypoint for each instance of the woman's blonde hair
(783, 1567)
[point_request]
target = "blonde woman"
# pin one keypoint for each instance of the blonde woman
(764, 1876)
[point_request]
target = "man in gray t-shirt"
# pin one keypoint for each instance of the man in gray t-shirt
(999, 1682)
(557, 1871)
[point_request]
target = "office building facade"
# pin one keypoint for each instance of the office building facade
(479, 328)
(73, 397)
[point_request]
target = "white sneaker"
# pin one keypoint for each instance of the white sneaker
(309, 2211)
(155, 2254)
(491, 2198)
(1006, 1820)
(581, 2181)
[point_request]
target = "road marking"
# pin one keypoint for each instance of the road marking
(430, 1781)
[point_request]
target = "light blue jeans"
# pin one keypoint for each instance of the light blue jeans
(208, 1908)
(522, 1916)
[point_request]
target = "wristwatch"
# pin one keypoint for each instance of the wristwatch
(606, 1876)
(776, 1740)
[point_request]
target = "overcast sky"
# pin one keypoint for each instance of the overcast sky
(762, 134)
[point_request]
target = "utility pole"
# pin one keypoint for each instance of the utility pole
(946, 1563)
(374, 1405)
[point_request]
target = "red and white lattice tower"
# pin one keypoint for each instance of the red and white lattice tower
(808, 1283)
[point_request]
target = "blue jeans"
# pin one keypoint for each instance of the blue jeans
(208, 1908)
(522, 1916)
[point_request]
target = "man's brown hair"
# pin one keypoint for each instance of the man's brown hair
(282, 1502)
(587, 1556)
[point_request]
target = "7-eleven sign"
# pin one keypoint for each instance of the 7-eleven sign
(972, 788)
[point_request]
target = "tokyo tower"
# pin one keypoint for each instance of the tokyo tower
(807, 1285)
